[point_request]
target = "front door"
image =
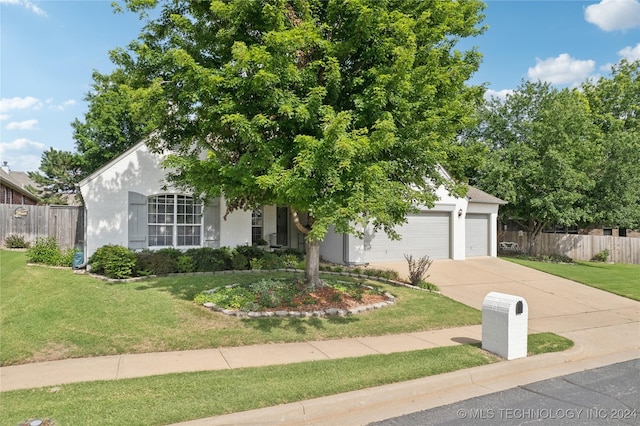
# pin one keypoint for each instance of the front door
(282, 226)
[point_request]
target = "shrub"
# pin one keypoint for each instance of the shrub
(159, 262)
(251, 252)
(113, 261)
(186, 264)
(16, 241)
(171, 252)
(207, 259)
(289, 251)
(418, 269)
(46, 251)
(272, 261)
(239, 261)
(601, 256)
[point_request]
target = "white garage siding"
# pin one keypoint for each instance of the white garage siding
(424, 234)
(477, 235)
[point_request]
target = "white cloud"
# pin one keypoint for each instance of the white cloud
(631, 53)
(62, 106)
(22, 125)
(8, 104)
(611, 15)
(4, 117)
(22, 154)
(500, 94)
(27, 4)
(561, 70)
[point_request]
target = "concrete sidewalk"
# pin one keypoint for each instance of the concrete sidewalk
(604, 327)
(127, 366)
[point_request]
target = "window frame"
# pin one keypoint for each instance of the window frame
(177, 212)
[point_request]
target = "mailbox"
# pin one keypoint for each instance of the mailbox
(505, 325)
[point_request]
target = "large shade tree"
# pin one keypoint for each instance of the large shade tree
(115, 121)
(544, 156)
(341, 110)
(615, 106)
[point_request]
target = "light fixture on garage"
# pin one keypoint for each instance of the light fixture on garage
(459, 212)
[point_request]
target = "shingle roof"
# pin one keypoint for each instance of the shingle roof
(475, 195)
(19, 182)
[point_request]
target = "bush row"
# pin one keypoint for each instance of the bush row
(120, 262)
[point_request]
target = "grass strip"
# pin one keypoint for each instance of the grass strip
(542, 343)
(161, 400)
(617, 278)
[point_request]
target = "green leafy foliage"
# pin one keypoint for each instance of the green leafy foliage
(113, 261)
(615, 106)
(341, 111)
(16, 241)
(207, 259)
(543, 156)
(59, 174)
(46, 251)
(158, 262)
(601, 256)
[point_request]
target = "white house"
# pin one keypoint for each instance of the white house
(128, 203)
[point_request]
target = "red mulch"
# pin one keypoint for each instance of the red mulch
(325, 298)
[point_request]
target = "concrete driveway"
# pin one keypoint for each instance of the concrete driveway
(555, 304)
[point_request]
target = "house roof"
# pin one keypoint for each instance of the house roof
(475, 195)
(18, 181)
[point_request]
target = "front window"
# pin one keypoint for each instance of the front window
(174, 221)
(256, 227)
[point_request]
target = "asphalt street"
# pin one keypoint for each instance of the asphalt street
(607, 395)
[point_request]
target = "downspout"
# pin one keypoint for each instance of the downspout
(345, 249)
(85, 260)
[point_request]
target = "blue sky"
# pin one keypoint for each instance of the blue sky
(49, 49)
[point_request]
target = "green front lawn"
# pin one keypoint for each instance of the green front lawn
(619, 278)
(49, 314)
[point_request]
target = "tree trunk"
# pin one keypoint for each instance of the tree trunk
(312, 269)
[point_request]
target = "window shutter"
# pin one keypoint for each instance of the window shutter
(137, 221)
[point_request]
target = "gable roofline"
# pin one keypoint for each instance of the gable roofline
(111, 162)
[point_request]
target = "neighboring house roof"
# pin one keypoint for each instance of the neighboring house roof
(18, 181)
(475, 195)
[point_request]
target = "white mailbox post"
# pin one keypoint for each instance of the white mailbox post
(505, 325)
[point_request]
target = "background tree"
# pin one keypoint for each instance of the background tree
(615, 105)
(114, 122)
(60, 171)
(340, 110)
(544, 156)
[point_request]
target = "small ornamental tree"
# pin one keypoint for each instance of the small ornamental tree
(340, 110)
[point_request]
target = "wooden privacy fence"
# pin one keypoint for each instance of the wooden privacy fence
(65, 223)
(579, 247)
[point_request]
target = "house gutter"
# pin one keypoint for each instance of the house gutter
(85, 260)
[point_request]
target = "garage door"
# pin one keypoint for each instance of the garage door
(477, 235)
(423, 234)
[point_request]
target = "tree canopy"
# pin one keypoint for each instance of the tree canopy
(60, 171)
(544, 156)
(615, 106)
(565, 156)
(342, 110)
